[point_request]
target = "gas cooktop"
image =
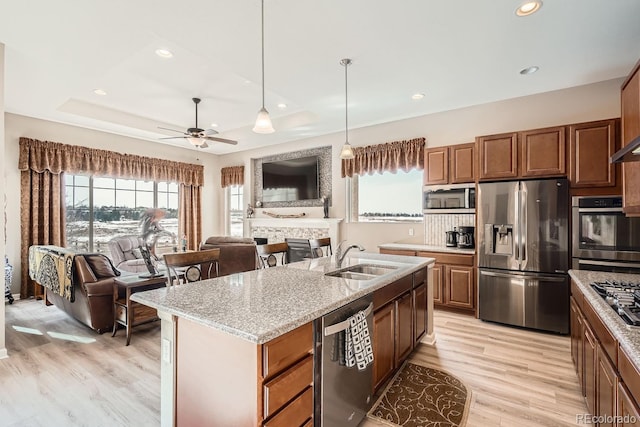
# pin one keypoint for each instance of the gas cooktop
(623, 297)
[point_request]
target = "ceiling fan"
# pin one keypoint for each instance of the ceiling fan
(199, 137)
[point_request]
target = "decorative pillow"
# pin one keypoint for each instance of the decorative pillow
(101, 266)
(136, 253)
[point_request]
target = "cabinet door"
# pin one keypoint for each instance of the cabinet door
(590, 147)
(630, 110)
(420, 312)
(628, 411)
(462, 163)
(459, 286)
(590, 355)
(576, 340)
(498, 156)
(436, 165)
(383, 348)
(404, 328)
(437, 284)
(607, 388)
(543, 152)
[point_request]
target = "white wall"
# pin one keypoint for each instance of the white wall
(579, 104)
(3, 350)
(20, 126)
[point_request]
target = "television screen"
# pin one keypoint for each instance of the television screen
(290, 180)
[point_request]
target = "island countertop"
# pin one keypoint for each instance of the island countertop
(261, 305)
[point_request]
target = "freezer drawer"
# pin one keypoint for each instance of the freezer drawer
(536, 301)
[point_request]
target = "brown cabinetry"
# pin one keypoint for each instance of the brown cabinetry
(404, 328)
(498, 156)
(590, 147)
(450, 165)
(454, 284)
(628, 411)
(607, 388)
(589, 371)
(420, 312)
(630, 109)
(383, 343)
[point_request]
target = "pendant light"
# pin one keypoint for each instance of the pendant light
(347, 151)
(263, 122)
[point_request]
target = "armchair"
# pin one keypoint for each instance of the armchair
(126, 255)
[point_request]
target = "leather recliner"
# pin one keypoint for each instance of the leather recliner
(237, 254)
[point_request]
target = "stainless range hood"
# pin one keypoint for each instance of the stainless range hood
(630, 153)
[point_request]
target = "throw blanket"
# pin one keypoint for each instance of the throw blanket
(50, 266)
(358, 349)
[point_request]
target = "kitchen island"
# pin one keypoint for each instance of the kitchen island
(233, 346)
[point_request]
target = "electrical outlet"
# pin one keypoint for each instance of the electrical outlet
(166, 350)
(411, 232)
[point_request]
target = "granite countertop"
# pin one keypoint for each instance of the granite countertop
(426, 248)
(628, 336)
(261, 305)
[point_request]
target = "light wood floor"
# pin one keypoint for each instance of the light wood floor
(516, 377)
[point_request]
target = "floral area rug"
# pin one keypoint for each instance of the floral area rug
(423, 397)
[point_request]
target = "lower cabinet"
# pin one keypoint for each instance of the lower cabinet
(383, 344)
(607, 388)
(404, 327)
(627, 408)
(420, 317)
(454, 281)
(590, 356)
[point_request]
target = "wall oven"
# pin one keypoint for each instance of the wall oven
(604, 239)
(454, 198)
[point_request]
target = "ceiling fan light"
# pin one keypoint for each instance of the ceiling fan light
(263, 122)
(347, 151)
(197, 141)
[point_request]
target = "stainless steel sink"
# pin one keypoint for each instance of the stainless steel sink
(362, 271)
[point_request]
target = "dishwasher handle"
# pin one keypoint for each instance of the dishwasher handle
(341, 326)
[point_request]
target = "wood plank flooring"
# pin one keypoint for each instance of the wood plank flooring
(516, 377)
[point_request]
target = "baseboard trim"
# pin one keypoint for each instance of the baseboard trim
(429, 339)
(3, 353)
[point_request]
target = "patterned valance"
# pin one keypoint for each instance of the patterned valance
(388, 157)
(232, 175)
(56, 158)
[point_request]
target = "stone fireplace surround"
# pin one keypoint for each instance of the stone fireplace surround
(277, 229)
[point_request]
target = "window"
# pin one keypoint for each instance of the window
(386, 197)
(99, 209)
(235, 201)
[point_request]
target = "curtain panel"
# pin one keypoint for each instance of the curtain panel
(388, 157)
(232, 175)
(56, 157)
(190, 218)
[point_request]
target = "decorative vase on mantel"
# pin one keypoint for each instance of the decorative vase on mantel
(325, 206)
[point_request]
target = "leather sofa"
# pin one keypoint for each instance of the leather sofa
(92, 277)
(237, 254)
(125, 253)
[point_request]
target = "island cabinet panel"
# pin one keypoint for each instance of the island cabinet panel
(577, 344)
(296, 413)
(282, 352)
(420, 312)
(543, 152)
(462, 163)
(436, 166)
(283, 388)
(404, 328)
(628, 410)
(383, 344)
(629, 374)
(590, 358)
(498, 156)
(590, 147)
(607, 383)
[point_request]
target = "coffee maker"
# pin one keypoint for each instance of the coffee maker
(452, 238)
(465, 237)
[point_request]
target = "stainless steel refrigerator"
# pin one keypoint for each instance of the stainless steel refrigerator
(523, 253)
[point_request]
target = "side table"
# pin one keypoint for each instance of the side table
(129, 313)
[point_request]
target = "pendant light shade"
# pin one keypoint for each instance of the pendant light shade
(347, 151)
(197, 141)
(263, 121)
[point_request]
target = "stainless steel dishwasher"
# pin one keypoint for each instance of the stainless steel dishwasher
(342, 394)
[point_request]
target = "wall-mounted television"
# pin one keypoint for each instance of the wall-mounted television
(290, 180)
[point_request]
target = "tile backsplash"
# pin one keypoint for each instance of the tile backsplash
(435, 226)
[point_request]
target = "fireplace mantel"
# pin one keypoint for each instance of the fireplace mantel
(277, 229)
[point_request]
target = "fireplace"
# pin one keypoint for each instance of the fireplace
(275, 230)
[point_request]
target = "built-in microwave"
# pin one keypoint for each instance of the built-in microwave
(603, 237)
(454, 198)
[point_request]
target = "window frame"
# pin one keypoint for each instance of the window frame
(228, 207)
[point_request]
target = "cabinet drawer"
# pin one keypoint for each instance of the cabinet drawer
(392, 291)
(282, 352)
(405, 252)
(448, 258)
(287, 385)
(419, 277)
(629, 374)
(296, 413)
(607, 340)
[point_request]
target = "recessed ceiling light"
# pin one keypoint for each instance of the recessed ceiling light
(529, 70)
(164, 53)
(282, 106)
(417, 96)
(529, 7)
(100, 92)
(247, 82)
(214, 125)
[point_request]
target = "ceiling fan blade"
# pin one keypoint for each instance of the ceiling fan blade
(172, 130)
(208, 132)
(174, 137)
(226, 141)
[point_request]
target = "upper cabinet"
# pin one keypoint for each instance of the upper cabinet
(630, 110)
(450, 165)
(590, 147)
(532, 153)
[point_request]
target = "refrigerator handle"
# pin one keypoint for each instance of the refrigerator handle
(516, 224)
(523, 232)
